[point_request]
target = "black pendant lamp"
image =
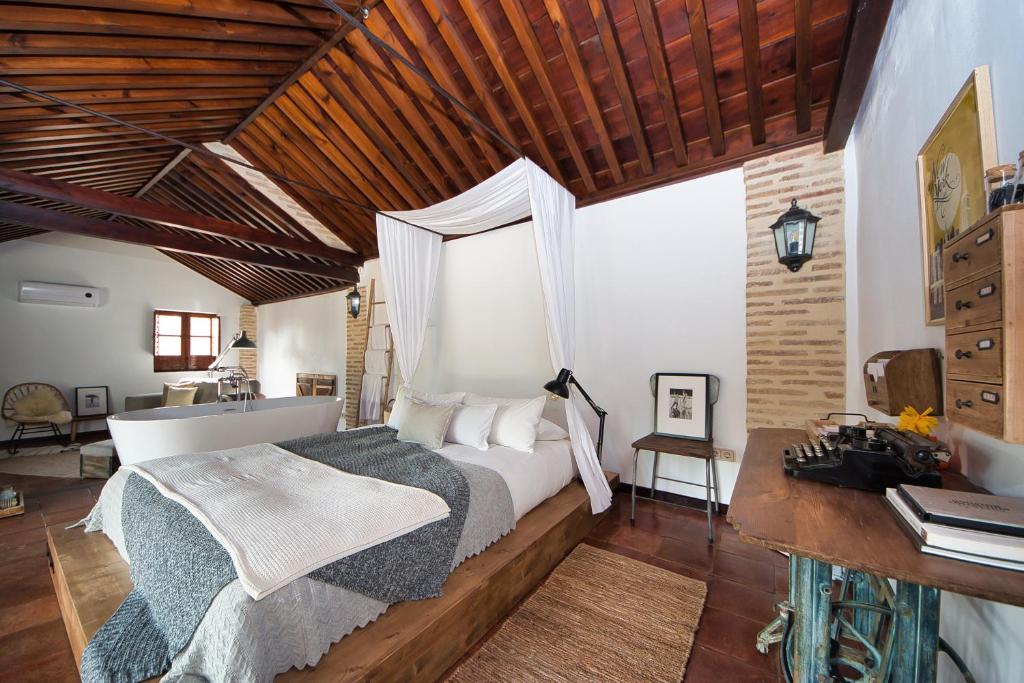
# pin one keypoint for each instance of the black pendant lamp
(794, 236)
(354, 301)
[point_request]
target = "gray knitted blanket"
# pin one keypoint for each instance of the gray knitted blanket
(178, 568)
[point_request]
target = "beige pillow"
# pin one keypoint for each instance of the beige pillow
(425, 424)
(180, 384)
(38, 403)
(178, 396)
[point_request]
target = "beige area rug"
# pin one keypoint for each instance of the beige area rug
(598, 617)
(42, 461)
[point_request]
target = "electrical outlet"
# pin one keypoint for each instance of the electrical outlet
(725, 454)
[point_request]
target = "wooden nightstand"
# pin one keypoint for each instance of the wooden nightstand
(687, 448)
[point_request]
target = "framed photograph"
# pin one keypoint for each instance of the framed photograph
(682, 405)
(91, 401)
(950, 174)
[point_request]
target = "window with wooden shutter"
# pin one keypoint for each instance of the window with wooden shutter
(184, 341)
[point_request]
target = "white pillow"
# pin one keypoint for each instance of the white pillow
(549, 431)
(425, 424)
(398, 411)
(471, 425)
(515, 423)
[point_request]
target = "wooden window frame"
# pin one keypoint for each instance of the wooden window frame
(186, 362)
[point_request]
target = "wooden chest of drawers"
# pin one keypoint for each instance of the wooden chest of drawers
(984, 286)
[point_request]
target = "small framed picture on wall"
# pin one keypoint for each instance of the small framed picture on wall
(682, 405)
(91, 401)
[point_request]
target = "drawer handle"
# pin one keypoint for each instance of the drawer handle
(985, 237)
(963, 404)
(962, 354)
(960, 305)
(959, 256)
(986, 344)
(987, 290)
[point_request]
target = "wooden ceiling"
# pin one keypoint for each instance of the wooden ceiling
(609, 96)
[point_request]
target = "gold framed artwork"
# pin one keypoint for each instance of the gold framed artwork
(950, 173)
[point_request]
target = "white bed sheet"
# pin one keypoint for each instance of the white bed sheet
(532, 478)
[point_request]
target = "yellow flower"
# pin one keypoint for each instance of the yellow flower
(920, 423)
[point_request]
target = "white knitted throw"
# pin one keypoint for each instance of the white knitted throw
(280, 516)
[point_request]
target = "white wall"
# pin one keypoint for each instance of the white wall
(110, 345)
(301, 335)
(927, 53)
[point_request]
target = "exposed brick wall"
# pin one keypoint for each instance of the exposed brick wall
(247, 321)
(356, 330)
(796, 322)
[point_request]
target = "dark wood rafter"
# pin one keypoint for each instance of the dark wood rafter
(701, 43)
(484, 32)
(534, 54)
(60, 221)
(864, 32)
(802, 14)
(662, 79)
(570, 48)
(56, 190)
(624, 89)
(752, 69)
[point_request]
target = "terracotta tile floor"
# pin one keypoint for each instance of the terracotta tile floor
(741, 580)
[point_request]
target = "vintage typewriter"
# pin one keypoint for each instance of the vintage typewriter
(869, 459)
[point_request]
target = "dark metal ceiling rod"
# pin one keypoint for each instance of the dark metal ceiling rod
(373, 38)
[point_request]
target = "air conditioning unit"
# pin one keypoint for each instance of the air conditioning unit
(60, 295)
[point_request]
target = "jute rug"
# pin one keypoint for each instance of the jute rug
(598, 617)
(42, 461)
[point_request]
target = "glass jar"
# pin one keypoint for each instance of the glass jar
(999, 185)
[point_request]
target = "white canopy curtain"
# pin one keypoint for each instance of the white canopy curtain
(409, 259)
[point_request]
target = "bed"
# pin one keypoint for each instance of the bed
(552, 515)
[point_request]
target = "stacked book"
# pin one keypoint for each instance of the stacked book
(975, 527)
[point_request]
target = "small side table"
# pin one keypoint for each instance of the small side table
(687, 448)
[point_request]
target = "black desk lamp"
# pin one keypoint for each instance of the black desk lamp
(559, 386)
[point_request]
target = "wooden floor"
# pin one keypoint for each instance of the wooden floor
(743, 582)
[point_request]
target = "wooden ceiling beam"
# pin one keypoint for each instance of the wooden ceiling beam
(131, 111)
(361, 63)
(371, 142)
(486, 35)
(344, 83)
(57, 82)
(440, 69)
(256, 11)
(37, 186)
(751, 40)
(42, 19)
(142, 66)
(662, 79)
(570, 48)
(701, 44)
(63, 45)
(350, 226)
(804, 37)
(59, 221)
(70, 124)
(422, 93)
(315, 56)
(624, 88)
(186, 98)
(128, 144)
(535, 56)
(864, 32)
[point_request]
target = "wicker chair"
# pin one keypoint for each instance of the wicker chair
(33, 424)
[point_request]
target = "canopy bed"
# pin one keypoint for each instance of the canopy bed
(222, 611)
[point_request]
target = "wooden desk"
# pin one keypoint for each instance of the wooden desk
(821, 525)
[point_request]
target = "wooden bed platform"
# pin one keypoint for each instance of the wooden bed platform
(417, 640)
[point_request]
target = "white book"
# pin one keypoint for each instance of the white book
(955, 539)
(977, 559)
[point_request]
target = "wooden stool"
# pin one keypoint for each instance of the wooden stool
(687, 448)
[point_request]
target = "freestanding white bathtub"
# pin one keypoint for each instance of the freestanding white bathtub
(158, 432)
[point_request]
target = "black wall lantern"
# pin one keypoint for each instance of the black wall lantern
(794, 236)
(353, 300)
